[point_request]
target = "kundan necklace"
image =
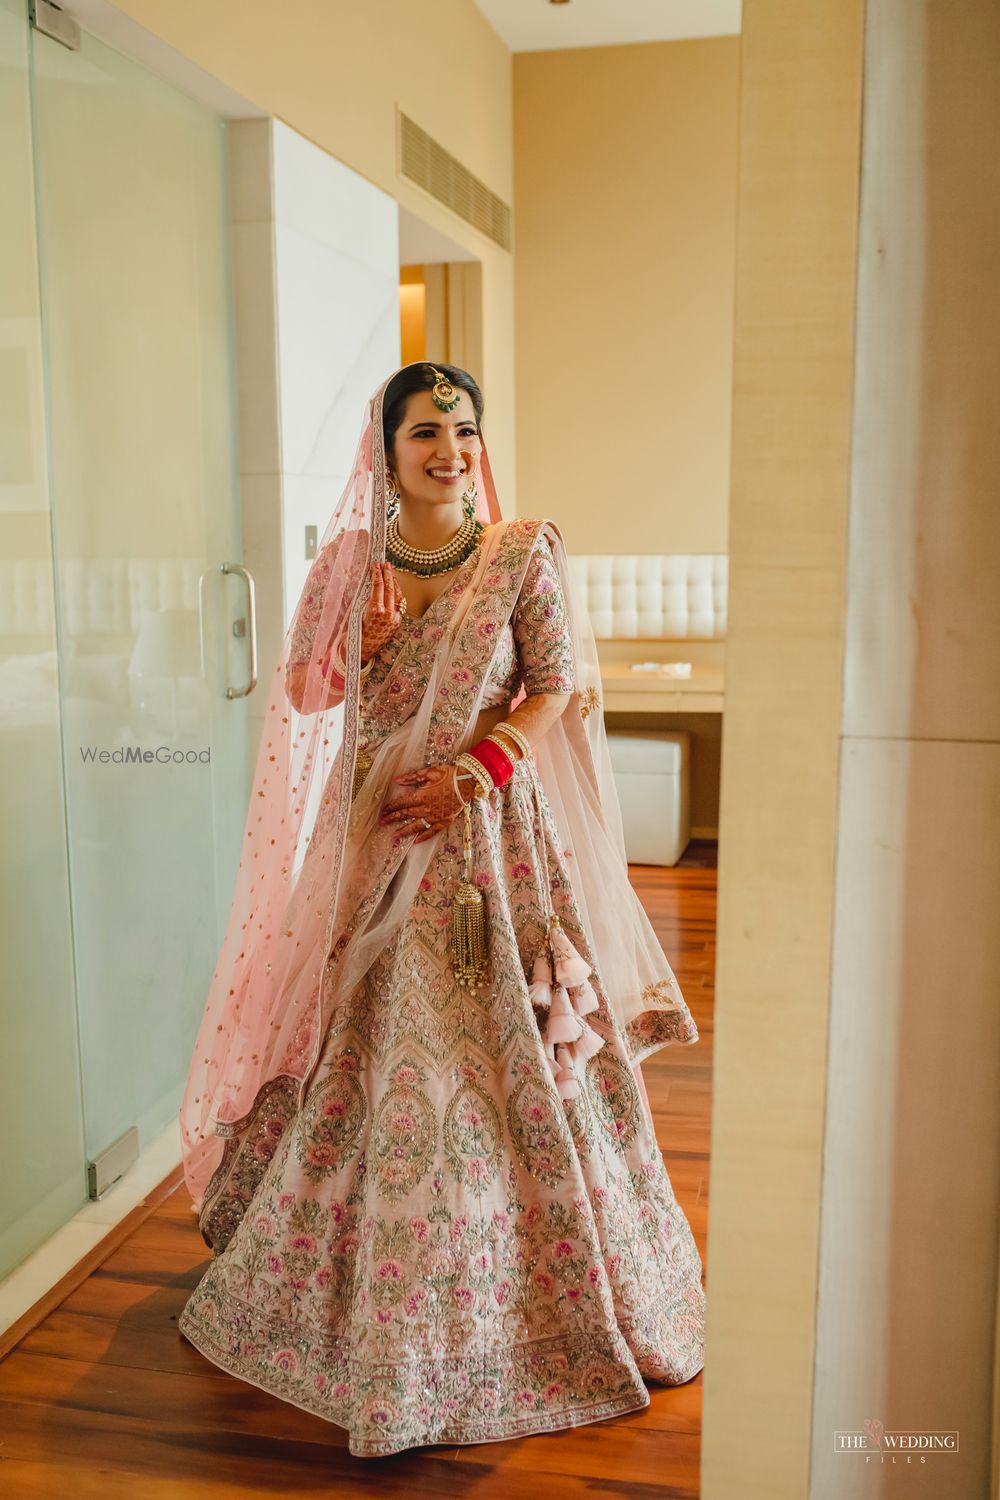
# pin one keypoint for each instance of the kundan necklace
(425, 563)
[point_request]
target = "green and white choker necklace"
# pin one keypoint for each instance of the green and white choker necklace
(425, 563)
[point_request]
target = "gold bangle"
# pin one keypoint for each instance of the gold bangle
(337, 659)
(339, 664)
(518, 736)
(465, 776)
(506, 747)
(478, 771)
(482, 778)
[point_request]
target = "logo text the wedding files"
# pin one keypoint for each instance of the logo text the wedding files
(876, 1443)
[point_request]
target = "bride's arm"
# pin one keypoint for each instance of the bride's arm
(295, 688)
(304, 632)
(382, 617)
(534, 716)
(544, 647)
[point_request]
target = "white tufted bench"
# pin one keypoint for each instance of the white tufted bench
(675, 596)
(635, 600)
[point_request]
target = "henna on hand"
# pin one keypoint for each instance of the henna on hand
(534, 715)
(384, 611)
(381, 619)
(432, 793)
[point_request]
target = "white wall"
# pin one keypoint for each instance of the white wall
(337, 258)
(316, 285)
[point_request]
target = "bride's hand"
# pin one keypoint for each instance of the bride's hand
(431, 793)
(384, 611)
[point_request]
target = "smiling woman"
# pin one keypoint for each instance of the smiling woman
(413, 1128)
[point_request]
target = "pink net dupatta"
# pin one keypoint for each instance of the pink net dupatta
(263, 1013)
(321, 889)
(574, 766)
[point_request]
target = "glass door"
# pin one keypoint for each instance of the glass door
(131, 204)
(44, 1172)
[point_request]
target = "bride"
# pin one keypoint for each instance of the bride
(414, 1130)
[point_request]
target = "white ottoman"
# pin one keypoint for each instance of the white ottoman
(653, 776)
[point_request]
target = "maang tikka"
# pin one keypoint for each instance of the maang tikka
(446, 397)
(444, 394)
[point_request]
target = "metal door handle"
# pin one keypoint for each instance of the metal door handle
(247, 577)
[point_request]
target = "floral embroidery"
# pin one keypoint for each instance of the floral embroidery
(311, 604)
(539, 1131)
(431, 1247)
(615, 1095)
(580, 1119)
(473, 1136)
(404, 1133)
(329, 1127)
(464, 1327)
(539, 624)
(590, 699)
(250, 1144)
(307, 618)
(652, 1029)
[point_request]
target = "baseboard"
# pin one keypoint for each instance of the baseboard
(52, 1272)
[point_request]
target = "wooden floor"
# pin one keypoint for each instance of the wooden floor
(103, 1398)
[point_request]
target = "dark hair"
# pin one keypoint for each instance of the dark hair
(421, 378)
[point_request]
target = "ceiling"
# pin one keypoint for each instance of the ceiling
(538, 26)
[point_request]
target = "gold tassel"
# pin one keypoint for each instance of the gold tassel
(362, 766)
(365, 758)
(468, 922)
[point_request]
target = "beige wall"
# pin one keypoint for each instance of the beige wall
(852, 1243)
(625, 198)
(621, 157)
(800, 117)
(335, 73)
(908, 1260)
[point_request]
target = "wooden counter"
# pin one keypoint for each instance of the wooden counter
(651, 693)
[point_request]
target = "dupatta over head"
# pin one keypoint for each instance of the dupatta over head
(321, 889)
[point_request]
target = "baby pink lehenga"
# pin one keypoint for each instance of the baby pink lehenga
(438, 1246)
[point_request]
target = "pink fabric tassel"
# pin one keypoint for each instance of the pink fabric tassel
(540, 988)
(564, 1025)
(567, 996)
(566, 1082)
(570, 967)
(584, 998)
(587, 1046)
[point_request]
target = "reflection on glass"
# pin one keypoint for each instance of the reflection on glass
(132, 207)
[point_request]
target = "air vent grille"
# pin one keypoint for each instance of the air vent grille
(439, 173)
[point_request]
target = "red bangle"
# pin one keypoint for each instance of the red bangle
(332, 677)
(499, 765)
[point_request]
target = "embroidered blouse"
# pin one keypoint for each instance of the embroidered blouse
(535, 646)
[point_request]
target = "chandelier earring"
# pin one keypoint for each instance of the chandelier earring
(469, 499)
(392, 495)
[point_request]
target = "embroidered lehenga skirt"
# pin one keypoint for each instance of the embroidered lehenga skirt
(437, 1248)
